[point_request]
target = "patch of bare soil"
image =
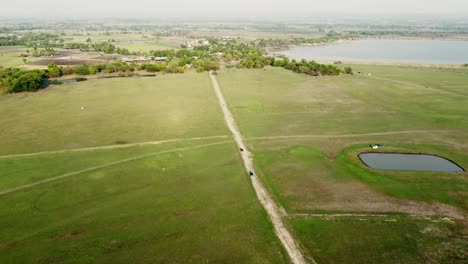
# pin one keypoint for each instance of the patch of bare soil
(66, 62)
(66, 53)
(108, 57)
(358, 197)
(12, 51)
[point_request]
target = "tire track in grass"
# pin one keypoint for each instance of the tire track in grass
(112, 146)
(66, 175)
(346, 135)
(417, 85)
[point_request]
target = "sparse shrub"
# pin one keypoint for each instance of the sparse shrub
(67, 71)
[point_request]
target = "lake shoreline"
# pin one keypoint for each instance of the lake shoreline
(439, 53)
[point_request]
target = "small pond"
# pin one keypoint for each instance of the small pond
(48, 82)
(131, 76)
(408, 162)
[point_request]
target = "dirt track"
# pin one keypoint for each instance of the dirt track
(347, 135)
(417, 85)
(274, 212)
(26, 186)
(110, 147)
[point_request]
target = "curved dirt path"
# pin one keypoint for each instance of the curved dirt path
(274, 212)
(346, 135)
(416, 85)
(66, 175)
(111, 146)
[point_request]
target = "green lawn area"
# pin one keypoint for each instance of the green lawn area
(381, 240)
(178, 207)
(124, 110)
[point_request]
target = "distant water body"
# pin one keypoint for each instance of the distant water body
(378, 50)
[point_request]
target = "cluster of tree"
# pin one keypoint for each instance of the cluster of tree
(305, 67)
(35, 52)
(16, 80)
(174, 67)
(32, 40)
(156, 67)
(255, 59)
(201, 60)
(317, 41)
(201, 65)
(54, 71)
(309, 67)
(105, 47)
(231, 50)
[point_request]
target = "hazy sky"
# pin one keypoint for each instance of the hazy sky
(219, 8)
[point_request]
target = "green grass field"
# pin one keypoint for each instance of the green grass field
(391, 239)
(306, 132)
(186, 200)
(160, 180)
(148, 46)
(179, 207)
(450, 80)
(13, 60)
(151, 109)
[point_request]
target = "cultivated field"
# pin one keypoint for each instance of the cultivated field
(306, 132)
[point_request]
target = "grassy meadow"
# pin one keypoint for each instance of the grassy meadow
(149, 172)
(395, 239)
(122, 110)
(123, 201)
(146, 46)
(305, 134)
(178, 207)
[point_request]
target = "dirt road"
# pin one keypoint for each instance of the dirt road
(346, 135)
(264, 197)
(417, 85)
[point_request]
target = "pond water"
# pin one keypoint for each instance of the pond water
(408, 162)
(381, 50)
(73, 80)
(48, 82)
(131, 76)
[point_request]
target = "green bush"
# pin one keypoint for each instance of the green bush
(81, 70)
(17, 81)
(348, 70)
